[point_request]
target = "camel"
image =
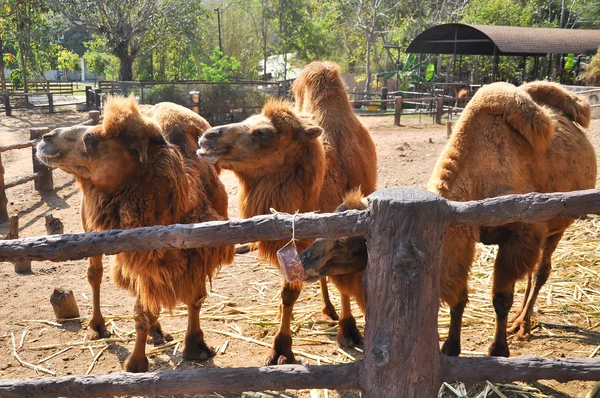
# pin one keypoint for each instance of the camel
(139, 170)
(298, 159)
(507, 141)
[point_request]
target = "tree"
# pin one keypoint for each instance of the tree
(68, 61)
(222, 69)
(128, 26)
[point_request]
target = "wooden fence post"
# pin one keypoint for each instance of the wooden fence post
(22, 266)
(44, 182)
(50, 102)
(88, 98)
(95, 117)
(397, 111)
(7, 107)
(402, 354)
(384, 96)
(439, 110)
(98, 99)
(3, 198)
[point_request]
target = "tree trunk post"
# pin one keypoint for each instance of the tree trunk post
(44, 182)
(448, 129)
(21, 266)
(7, 107)
(64, 304)
(402, 355)
(3, 198)
(50, 102)
(94, 117)
(397, 111)
(439, 110)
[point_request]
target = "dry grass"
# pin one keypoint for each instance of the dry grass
(591, 75)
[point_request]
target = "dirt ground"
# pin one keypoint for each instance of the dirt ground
(244, 297)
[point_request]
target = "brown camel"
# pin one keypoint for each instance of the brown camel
(302, 159)
(507, 141)
(134, 171)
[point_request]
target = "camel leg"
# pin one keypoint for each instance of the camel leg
(281, 353)
(156, 335)
(522, 324)
(328, 309)
(137, 361)
(525, 299)
(348, 335)
(517, 256)
(195, 347)
(452, 344)
(96, 328)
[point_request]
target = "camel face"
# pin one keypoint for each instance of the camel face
(254, 138)
(327, 257)
(85, 153)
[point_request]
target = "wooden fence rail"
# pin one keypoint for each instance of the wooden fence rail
(404, 229)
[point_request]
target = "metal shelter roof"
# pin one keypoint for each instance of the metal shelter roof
(456, 38)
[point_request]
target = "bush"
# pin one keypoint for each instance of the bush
(16, 78)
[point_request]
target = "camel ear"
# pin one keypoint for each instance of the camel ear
(310, 133)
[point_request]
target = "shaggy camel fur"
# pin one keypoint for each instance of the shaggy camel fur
(507, 141)
(136, 171)
(302, 159)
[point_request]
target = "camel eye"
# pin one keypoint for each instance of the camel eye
(261, 134)
(90, 142)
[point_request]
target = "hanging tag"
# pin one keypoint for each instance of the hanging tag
(289, 262)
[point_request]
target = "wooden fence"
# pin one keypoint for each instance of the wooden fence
(404, 228)
(63, 88)
(42, 174)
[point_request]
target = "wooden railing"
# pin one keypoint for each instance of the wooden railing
(405, 230)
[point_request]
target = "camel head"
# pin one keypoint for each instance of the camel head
(260, 142)
(347, 255)
(107, 155)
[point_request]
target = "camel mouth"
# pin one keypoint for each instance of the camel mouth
(211, 155)
(46, 155)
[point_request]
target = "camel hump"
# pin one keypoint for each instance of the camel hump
(573, 106)
(518, 109)
(354, 199)
(319, 80)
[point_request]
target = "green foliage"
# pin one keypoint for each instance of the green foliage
(16, 78)
(221, 69)
(99, 62)
(570, 61)
(429, 72)
(68, 61)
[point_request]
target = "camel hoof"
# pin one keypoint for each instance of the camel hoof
(349, 336)
(329, 314)
(157, 337)
(522, 328)
(451, 349)
(498, 350)
(281, 353)
(196, 349)
(97, 330)
(136, 365)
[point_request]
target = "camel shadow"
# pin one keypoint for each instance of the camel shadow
(589, 337)
(72, 326)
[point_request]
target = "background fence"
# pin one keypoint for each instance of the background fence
(217, 102)
(404, 229)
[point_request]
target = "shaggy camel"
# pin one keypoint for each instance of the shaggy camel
(118, 166)
(507, 141)
(302, 159)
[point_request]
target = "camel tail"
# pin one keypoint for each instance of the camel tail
(573, 106)
(518, 109)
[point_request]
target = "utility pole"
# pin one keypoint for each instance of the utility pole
(218, 11)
